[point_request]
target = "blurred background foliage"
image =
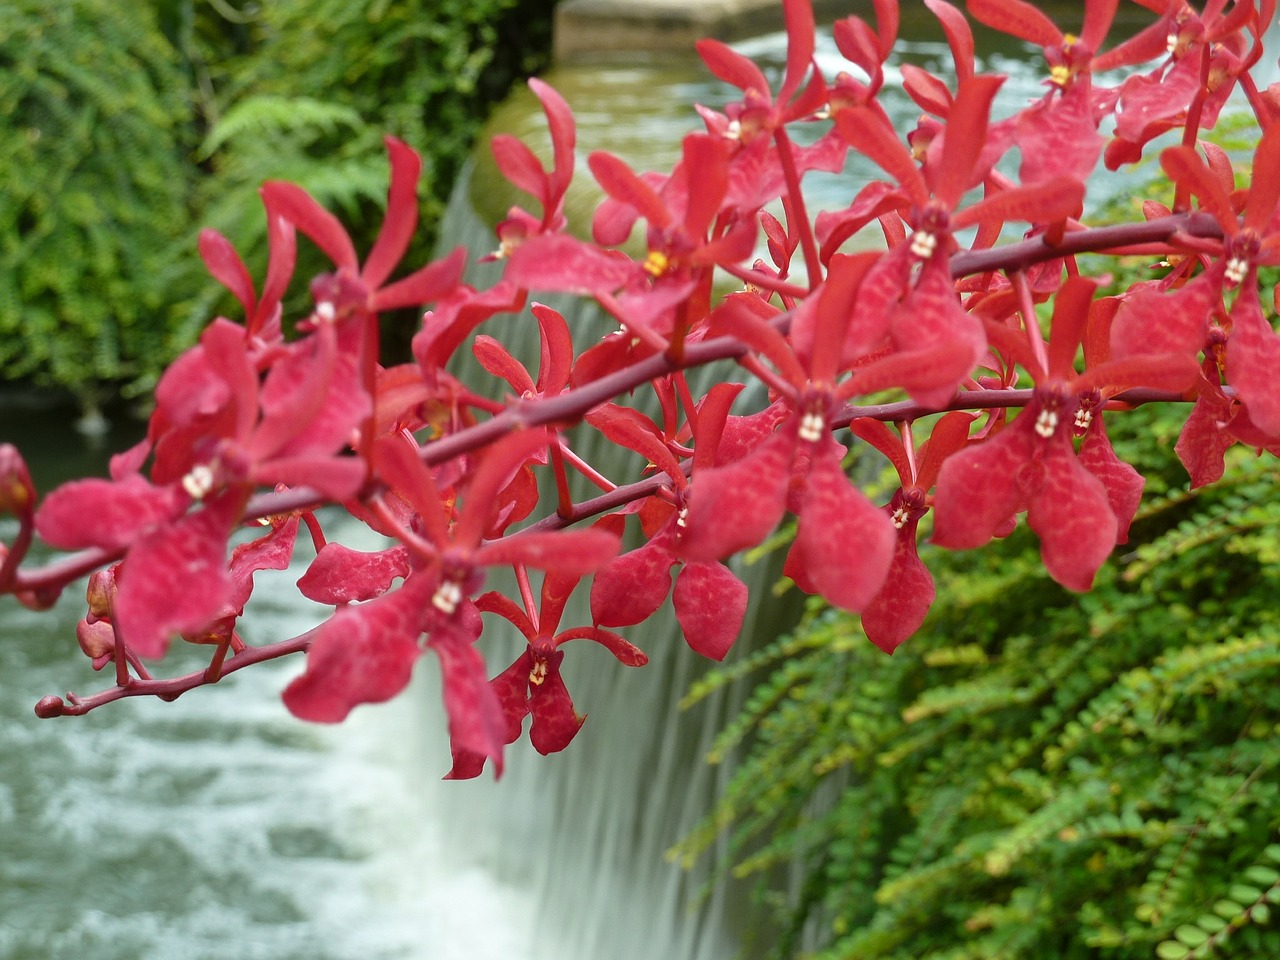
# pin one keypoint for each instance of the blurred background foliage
(128, 127)
(1035, 774)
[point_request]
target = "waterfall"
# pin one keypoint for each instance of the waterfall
(585, 831)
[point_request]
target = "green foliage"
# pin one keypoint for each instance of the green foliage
(127, 127)
(96, 190)
(1036, 774)
(324, 80)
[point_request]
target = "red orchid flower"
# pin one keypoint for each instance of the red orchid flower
(262, 317)
(1150, 321)
(532, 685)
(554, 362)
(686, 238)
(237, 435)
(923, 318)
(1080, 506)
(364, 290)
(288, 429)
(760, 113)
(1059, 134)
(710, 602)
(1217, 422)
(844, 545)
(1205, 56)
(519, 165)
(902, 603)
(366, 653)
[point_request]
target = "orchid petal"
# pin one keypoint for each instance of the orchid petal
(900, 607)
(175, 579)
(736, 506)
(566, 551)
(339, 574)
(845, 541)
(710, 604)
(325, 230)
(225, 266)
(363, 654)
(401, 217)
(476, 719)
(980, 488)
(555, 721)
(1253, 357)
(1072, 515)
(1122, 482)
(426, 285)
(630, 588)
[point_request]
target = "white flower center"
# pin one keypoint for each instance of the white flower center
(539, 673)
(1237, 267)
(326, 311)
(812, 426)
(900, 517)
(447, 597)
(733, 131)
(1171, 42)
(1046, 423)
(198, 482)
(682, 518)
(923, 244)
(1084, 417)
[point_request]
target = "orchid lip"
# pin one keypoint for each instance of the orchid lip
(812, 426)
(447, 597)
(1046, 423)
(199, 481)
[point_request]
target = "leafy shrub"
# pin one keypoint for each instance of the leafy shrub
(1034, 774)
(96, 191)
(325, 80)
(132, 126)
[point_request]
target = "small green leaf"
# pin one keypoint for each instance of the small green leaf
(1211, 923)
(1244, 893)
(1272, 852)
(1228, 909)
(1260, 874)
(1172, 950)
(1260, 914)
(1191, 936)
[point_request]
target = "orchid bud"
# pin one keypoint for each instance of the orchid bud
(50, 707)
(97, 640)
(101, 593)
(17, 492)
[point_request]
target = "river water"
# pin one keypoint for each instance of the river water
(219, 827)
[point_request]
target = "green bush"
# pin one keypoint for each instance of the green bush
(128, 127)
(325, 80)
(96, 190)
(1037, 774)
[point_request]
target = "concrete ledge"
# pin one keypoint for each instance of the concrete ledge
(586, 28)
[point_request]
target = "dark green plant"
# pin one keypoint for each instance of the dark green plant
(96, 191)
(325, 80)
(128, 127)
(1036, 774)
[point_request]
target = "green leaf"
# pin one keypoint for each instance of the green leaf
(1260, 874)
(1191, 936)
(1172, 950)
(1244, 893)
(1228, 909)
(1211, 923)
